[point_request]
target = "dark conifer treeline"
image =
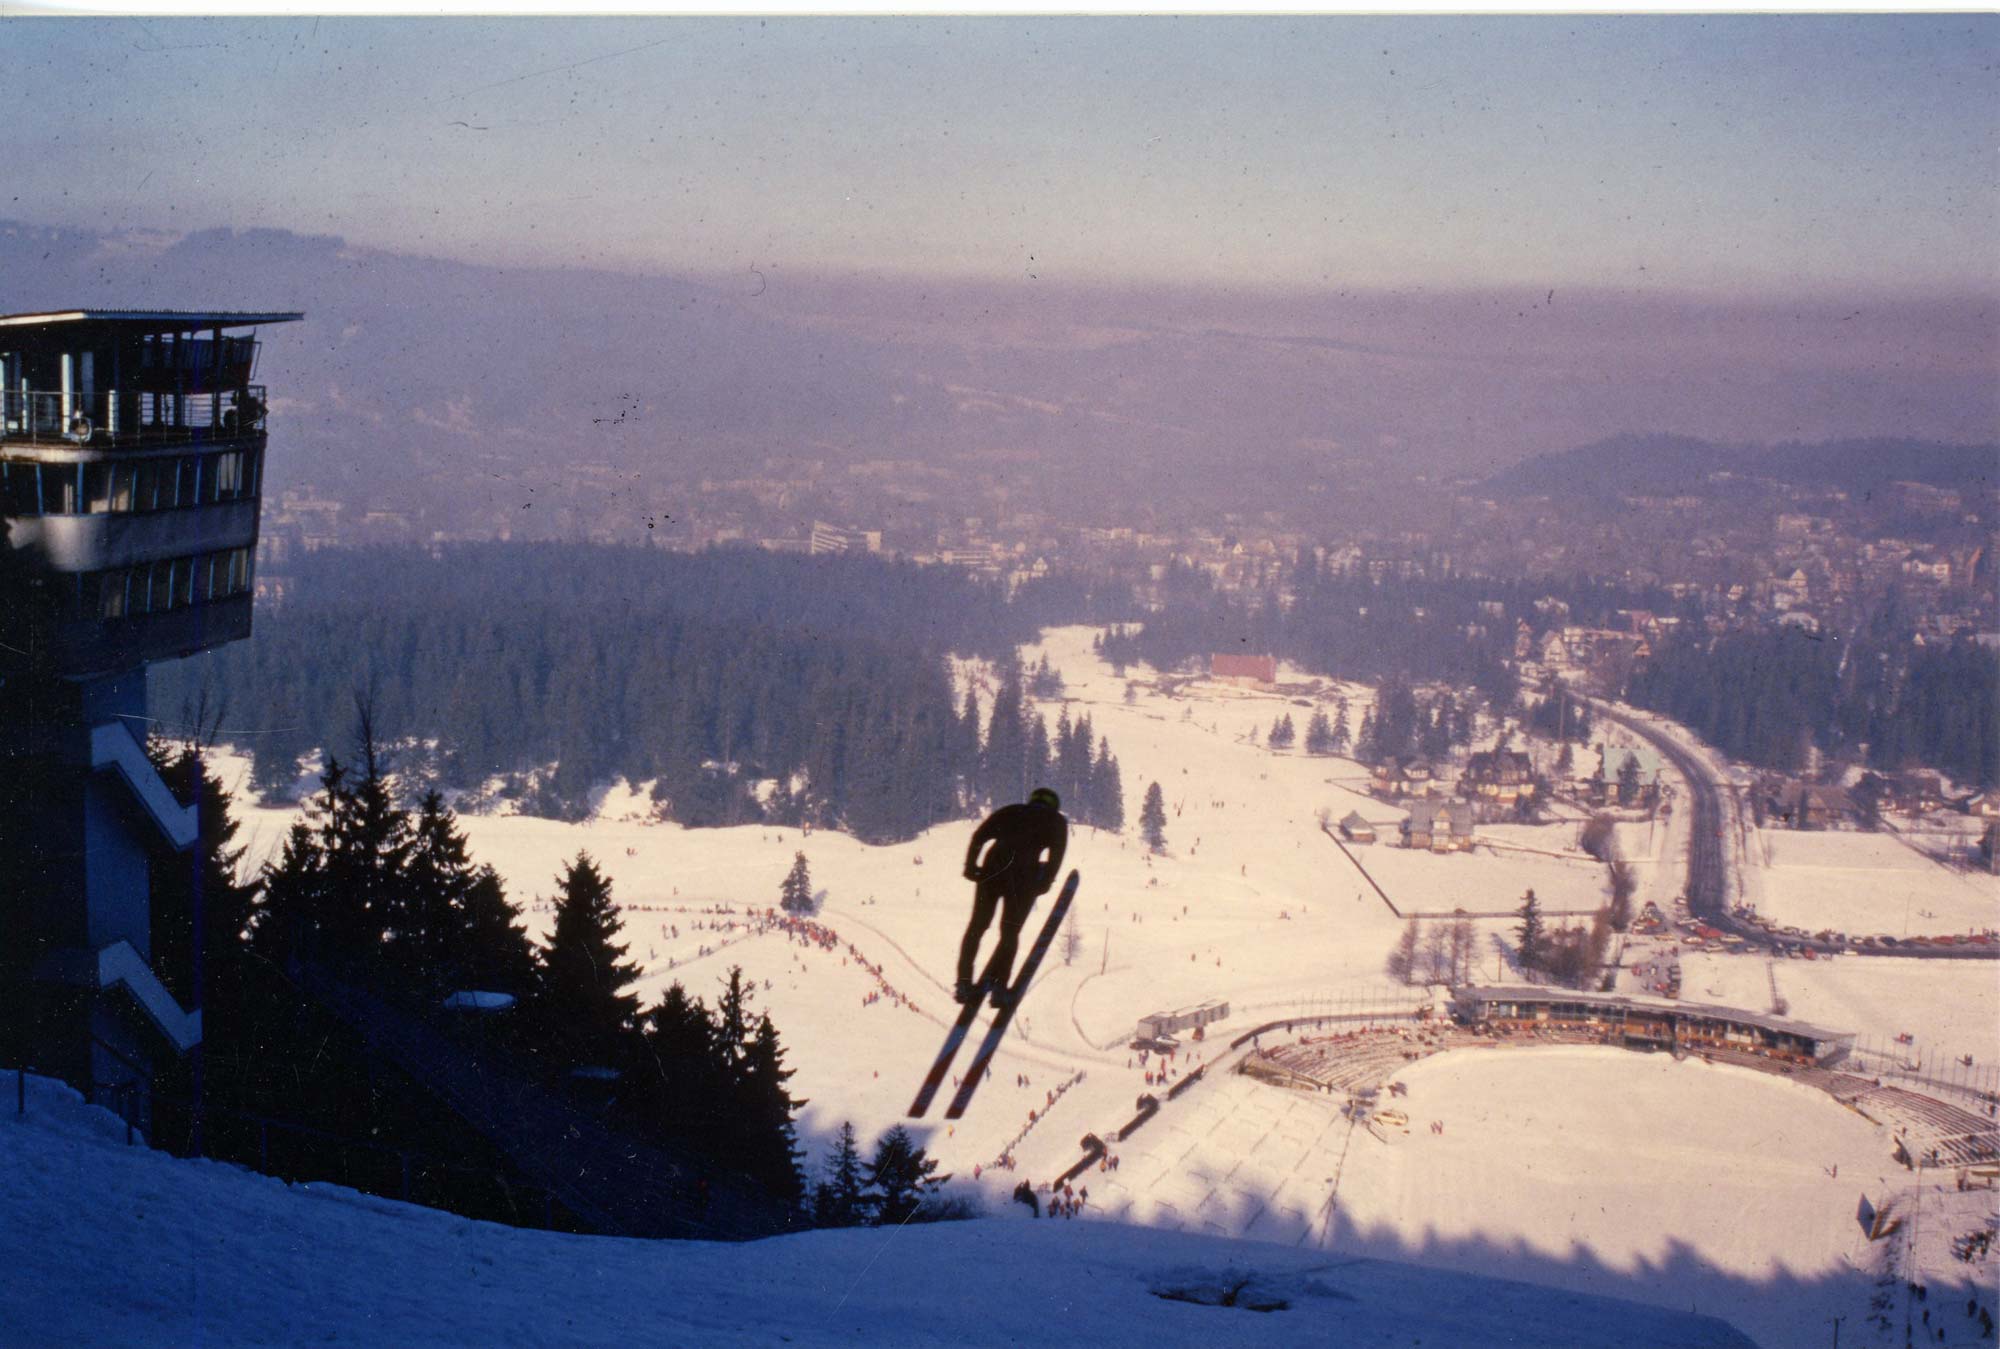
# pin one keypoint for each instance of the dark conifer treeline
(1770, 697)
(1347, 625)
(706, 672)
(390, 900)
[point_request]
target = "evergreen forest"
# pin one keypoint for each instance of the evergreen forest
(1772, 697)
(746, 685)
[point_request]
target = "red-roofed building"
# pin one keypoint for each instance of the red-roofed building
(1245, 669)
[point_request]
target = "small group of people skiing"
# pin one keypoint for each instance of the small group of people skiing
(1023, 849)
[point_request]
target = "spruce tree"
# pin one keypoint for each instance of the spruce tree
(1532, 937)
(1628, 780)
(732, 1024)
(795, 895)
(1153, 819)
(1006, 755)
(437, 880)
(210, 887)
(900, 1177)
(1038, 761)
(286, 923)
(1319, 734)
(584, 976)
(1339, 742)
(1107, 790)
(682, 1075)
(367, 841)
(489, 949)
(1282, 732)
(769, 1145)
(838, 1200)
(967, 751)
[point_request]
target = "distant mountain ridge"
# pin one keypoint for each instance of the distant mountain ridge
(1664, 465)
(470, 390)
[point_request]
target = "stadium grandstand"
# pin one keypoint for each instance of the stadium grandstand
(1645, 1023)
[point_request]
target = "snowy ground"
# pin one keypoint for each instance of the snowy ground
(1949, 1007)
(232, 1258)
(1251, 903)
(1865, 883)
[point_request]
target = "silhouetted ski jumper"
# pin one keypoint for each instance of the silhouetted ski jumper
(1024, 857)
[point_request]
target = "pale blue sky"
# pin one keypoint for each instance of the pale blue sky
(1763, 154)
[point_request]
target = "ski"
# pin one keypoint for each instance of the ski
(1005, 1017)
(935, 1077)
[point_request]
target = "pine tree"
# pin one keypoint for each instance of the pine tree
(437, 881)
(1153, 819)
(966, 752)
(584, 976)
(769, 1145)
(838, 1200)
(1339, 743)
(489, 948)
(1006, 756)
(1047, 683)
(732, 1024)
(795, 895)
(1628, 780)
(286, 923)
(1107, 790)
(683, 1079)
(1565, 762)
(900, 1177)
(1282, 732)
(371, 846)
(209, 887)
(1319, 734)
(1530, 932)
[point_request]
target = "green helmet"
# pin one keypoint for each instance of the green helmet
(1042, 796)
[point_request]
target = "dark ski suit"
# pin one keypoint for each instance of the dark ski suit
(1014, 873)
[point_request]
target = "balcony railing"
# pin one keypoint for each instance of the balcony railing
(129, 417)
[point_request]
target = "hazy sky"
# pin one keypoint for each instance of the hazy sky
(1758, 154)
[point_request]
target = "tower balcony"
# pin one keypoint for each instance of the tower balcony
(127, 419)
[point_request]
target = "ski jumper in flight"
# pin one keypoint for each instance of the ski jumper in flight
(1024, 857)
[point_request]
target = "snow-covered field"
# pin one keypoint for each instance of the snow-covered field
(107, 1245)
(1949, 1007)
(1251, 904)
(1865, 883)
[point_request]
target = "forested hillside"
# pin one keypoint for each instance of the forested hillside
(1771, 696)
(1351, 626)
(559, 666)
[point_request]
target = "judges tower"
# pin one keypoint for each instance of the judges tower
(131, 459)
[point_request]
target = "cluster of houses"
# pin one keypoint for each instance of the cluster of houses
(1492, 786)
(1808, 805)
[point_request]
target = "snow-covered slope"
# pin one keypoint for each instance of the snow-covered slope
(104, 1244)
(1253, 904)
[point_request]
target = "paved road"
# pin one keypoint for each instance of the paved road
(1708, 857)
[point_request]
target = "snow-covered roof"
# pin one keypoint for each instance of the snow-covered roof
(1614, 757)
(475, 1000)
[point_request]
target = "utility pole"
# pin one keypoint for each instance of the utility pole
(1836, 1329)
